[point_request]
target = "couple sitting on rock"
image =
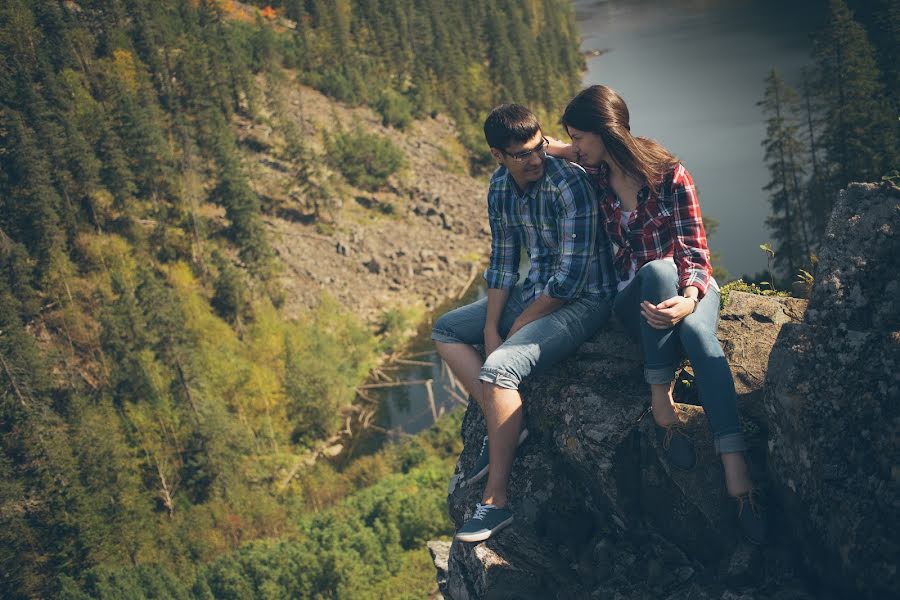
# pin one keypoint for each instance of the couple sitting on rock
(618, 188)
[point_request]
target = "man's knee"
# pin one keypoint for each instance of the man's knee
(506, 368)
(444, 333)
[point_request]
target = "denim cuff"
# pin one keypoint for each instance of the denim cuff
(498, 378)
(660, 375)
(439, 335)
(730, 442)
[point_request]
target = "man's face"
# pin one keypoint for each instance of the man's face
(524, 169)
(589, 147)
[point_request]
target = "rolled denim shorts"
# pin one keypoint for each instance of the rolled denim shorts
(535, 346)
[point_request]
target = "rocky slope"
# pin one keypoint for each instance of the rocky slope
(601, 515)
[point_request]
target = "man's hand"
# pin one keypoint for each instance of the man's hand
(667, 313)
(492, 340)
(517, 325)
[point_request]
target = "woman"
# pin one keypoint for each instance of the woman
(667, 295)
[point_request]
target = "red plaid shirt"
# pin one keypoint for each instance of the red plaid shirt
(661, 226)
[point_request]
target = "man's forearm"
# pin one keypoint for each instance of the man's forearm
(496, 303)
(541, 307)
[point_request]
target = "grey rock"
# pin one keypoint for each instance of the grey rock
(373, 266)
(592, 468)
(832, 394)
(440, 556)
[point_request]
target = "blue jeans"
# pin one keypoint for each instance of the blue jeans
(534, 347)
(657, 281)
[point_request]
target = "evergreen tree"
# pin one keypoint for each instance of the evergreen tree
(784, 158)
(860, 129)
(814, 194)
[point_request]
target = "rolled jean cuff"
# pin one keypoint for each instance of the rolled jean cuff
(659, 375)
(498, 378)
(446, 337)
(730, 442)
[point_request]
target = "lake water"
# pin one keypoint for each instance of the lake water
(691, 72)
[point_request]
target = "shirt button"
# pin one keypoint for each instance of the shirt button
(573, 236)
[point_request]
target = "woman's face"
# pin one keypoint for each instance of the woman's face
(589, 147)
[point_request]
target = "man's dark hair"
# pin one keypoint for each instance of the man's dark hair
(508, 124)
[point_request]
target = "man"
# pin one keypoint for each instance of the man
(548, 207)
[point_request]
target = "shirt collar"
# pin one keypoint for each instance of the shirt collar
(530, 190)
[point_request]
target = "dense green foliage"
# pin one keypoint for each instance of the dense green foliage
(153, 395)
(365, 159)
(368, 545)
(842, 127)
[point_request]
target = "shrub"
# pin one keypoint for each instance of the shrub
(395, 109)
(365, 159)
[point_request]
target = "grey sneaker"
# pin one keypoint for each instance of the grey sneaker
(487, 520)
(480, 468)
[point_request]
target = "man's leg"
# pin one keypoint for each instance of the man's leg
(536, 346)
(465, 362)
(503, 416)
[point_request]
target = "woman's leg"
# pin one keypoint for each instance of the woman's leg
(716, 387)
(658, 281)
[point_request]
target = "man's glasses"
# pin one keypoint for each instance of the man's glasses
(540, 149)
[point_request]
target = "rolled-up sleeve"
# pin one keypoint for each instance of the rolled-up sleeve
(503, 270)
(577, 205)
(691, 250)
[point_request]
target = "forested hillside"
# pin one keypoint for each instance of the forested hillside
(153, 391)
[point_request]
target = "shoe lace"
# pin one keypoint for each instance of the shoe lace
(671, 431)
(750, 499)
(481, 511)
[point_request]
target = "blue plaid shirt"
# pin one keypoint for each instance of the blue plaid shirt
(557, 220)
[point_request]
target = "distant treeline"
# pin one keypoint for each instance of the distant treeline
(152, 394)
(840, 126)
(419, 57)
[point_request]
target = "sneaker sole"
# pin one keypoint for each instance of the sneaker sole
(480, 536)
(480, 474)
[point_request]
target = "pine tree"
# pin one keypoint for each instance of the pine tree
(814, 194)
(784, 158)
(860, 132)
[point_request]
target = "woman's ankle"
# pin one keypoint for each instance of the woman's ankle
(662, 406)
(737, 476)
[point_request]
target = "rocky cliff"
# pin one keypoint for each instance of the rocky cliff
(832, 398)
(601, 515)
(420, 240)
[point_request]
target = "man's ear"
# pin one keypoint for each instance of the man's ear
(498, 156)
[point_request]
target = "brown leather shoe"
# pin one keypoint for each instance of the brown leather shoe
(678, 445)
(751, 517)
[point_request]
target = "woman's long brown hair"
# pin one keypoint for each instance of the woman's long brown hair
(599, 109)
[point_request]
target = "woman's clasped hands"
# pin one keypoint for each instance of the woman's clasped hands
(667, 313)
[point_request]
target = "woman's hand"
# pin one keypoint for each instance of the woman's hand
(560, 149)
(667, 313)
